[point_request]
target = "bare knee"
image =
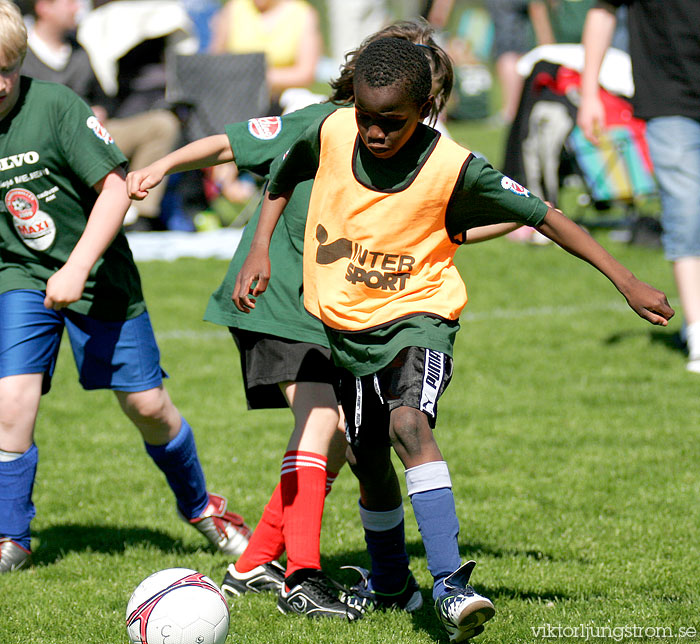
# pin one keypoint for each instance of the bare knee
(19, 404)
(412, 437)
(152, 412)
(371, 465)
(407, 430)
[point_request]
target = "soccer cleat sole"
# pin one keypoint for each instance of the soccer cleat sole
(471, 621)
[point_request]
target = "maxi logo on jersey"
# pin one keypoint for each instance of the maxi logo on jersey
(374, 269)
(35, 228)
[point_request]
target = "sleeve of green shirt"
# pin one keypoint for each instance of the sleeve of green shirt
(485, 196)
(87, 146)
(257, 142)
(299, 162)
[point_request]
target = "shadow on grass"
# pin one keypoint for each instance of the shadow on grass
(57, 541)
(672, 341)
(425, 620)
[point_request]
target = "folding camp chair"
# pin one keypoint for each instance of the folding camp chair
(217, 89)
(212, 90)
(545, 147)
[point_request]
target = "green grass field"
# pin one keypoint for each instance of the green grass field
(570, 430)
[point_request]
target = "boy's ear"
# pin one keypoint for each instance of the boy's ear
(426, 107)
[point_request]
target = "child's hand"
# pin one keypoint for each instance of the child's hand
(648, 302)
(139, 182)
(64, 287)
(255, 270)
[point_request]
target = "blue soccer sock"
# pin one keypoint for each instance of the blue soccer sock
(386, 544)
(16, 507)
(179, 462)
(430, 489)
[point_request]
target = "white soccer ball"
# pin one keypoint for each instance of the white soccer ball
(177, 606)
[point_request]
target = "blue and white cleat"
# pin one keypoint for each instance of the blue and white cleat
(461, 610)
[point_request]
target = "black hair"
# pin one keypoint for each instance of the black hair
(417, 31)
(392, 61)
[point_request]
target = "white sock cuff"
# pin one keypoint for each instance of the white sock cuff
(380, 521)
(8, 457)
(429, 476)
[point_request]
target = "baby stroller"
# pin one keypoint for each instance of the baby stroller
(545, 150)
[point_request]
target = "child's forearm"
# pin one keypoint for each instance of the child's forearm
(103, 224)
(646, 301)
(270, 213)
(572, 238)
(67, 284)
(203, 153)
(254, 275)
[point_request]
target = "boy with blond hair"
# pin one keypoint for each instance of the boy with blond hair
(65, 263)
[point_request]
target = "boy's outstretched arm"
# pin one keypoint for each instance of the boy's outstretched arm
(66, 285)
(254, 275)
(203, 153)
(648, 302)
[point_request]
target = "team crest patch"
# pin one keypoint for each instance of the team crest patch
(265, 128)
(36, 229)
(508, 184)
(99, 130)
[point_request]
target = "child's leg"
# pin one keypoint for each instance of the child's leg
(461, 610)
(170, 443)
(381, 512)
(30, 336)
(123, 356)
(19, 404)
(381, 504)
(430, 490)
(316, 434)
(304, 472)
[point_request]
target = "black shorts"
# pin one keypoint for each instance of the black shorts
(267, 360)
(416, 377)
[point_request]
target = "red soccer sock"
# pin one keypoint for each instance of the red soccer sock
(330, 479)
(267, 541)
(303, 486)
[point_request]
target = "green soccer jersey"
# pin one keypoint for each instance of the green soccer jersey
(280, 311)
(482, 196)
(52, 152)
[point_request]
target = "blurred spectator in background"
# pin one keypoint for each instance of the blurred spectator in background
(136, 114)
(558, 21)
(53, 54)
(437, 12)
(350, 23)
(201, 13)
(127, 42)
(286, 31)
(665, 51)
(512, 38)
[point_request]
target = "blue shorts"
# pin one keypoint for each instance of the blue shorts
(674, 145)
(119, 355)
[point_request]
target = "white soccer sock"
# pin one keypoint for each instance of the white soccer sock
(7, 457)
(693, 339)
